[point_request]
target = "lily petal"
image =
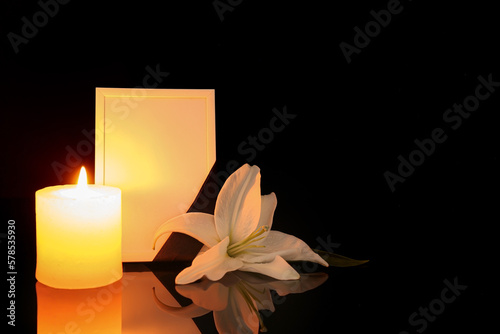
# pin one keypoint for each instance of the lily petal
(277, 268)
(200, 226)
(214, 264)
(268, 206)
(237, 210)
(285, 245)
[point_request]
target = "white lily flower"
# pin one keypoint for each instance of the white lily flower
(238, 235)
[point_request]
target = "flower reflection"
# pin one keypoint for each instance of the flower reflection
(237, 298)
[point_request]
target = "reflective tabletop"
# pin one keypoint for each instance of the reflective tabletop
(367, 298)
(146, 300)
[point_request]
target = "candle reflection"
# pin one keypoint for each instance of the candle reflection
(125, 307)
(237, 298)
(96, 310)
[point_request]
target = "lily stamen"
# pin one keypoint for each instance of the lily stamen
(246, 243)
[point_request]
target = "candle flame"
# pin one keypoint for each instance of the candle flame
(82, 179)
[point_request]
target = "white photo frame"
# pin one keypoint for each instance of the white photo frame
(158, 147)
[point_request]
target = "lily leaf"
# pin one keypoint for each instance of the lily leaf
(337, 260)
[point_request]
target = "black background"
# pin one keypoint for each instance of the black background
(327, 166)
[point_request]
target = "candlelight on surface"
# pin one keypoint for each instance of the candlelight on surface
(78, 237)
(97, 310)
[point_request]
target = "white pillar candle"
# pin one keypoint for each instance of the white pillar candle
(78, 235)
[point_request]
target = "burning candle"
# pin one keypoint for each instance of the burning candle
(78, 235)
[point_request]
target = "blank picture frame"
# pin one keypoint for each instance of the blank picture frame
(158, 147)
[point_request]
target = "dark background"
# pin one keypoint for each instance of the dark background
(326, 167)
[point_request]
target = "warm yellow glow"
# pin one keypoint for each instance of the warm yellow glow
(78, 236)
(82, 179)
(97, 310)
